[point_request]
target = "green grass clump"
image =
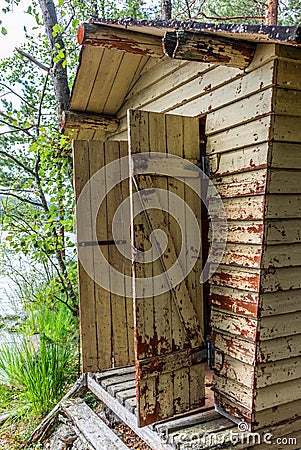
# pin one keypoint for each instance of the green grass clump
(35, 370)
(37, 379)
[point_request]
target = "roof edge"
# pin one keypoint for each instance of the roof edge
(282, 34)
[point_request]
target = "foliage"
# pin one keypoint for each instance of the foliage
(38, 379)
(35, 370)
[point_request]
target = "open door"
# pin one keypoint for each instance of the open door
(169, 342)
(106, 313)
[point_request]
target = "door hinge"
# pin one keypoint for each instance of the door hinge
(205, 354)
(94, 243)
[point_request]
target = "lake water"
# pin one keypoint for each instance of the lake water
(10, 309)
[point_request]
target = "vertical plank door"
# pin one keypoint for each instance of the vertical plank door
(169, 341)
(106, 317)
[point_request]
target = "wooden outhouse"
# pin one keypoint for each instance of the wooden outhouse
(227, 100)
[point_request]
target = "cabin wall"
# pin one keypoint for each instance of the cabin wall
(238, 106)
(278, 369)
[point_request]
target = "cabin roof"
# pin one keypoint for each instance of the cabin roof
(109, 65)
(290, 35)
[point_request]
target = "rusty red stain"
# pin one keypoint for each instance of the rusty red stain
(237, 306)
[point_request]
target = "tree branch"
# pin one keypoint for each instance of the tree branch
(26, 200)
(18, 95)
(229, 17)
(41, 102)
(33, 59)
(19, 163)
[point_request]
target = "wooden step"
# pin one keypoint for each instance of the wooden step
(94, 431)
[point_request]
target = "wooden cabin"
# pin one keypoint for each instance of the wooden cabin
(226, 99)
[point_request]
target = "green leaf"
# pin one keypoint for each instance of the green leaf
(3, 31)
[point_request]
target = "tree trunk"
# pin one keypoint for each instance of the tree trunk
(58, 72)
(166, 9)
(271, 14)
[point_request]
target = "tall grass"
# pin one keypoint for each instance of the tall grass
(35, 370)
(37, 379)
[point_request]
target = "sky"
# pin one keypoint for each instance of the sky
(14, 23)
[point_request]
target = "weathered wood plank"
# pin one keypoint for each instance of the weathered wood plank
(282, 231)
(228, 367)
(130, 404)
(284, 181)
(125, 40)
(278, 372)
(280, 413)
(204, 48)
(90, 58)
(281, 302)
(228, 406)
(292, 68)
(245, 232)
(271, 327)
(225, 86)
(243, 160)
(113, 372)
(124, 76)
(94, 430)
(233, 300)
(106, 382)
(175, 145)
(280, 279)
(286, 155)
(162, 303)
(185, 438)
(280, 348)
(75, 119)
(238, 392)
(242, 184)
(104, 80)
(258, 105)
(122, 396)
(287, 102)
(239, 278)
(102, 297)
(117, 261)
(125, 385)
(238, 348)
(235, 324)
(251, 133)
(286, 128)
(149, 95)
(86, 286)
(154, 71)
(181, 423)
(246, 208)
(242, 255)
(288, 255)
(270, 396)
(127, 269)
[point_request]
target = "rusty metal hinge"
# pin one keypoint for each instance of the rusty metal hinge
(205, 354)
(94, 243)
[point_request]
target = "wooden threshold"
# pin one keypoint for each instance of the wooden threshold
(116, 388)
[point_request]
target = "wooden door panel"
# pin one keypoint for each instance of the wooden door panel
(169, 326)
(106, 318)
